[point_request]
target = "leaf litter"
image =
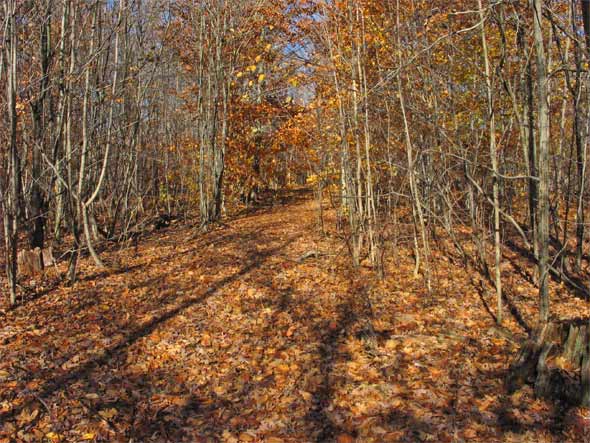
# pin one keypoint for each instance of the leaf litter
(227, 337)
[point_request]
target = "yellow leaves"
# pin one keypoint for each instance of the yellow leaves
(306, 395)
(486, 402)
(206, 340)
(563, 363)
(359, 370)
(283, 368)
(312, 179)
(392, 345)
(470, 433)
(228, 437)
(252, 69)
(89, 436)
(247, 436)
(53, 437)
(26, 417)
(258, 58)
(396, 402)
(108, 414)
(292, 329)
(435, 372)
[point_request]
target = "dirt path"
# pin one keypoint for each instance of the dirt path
(226, 336)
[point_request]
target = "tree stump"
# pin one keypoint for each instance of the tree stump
(48, 258)
(556, 362)
(30, 262)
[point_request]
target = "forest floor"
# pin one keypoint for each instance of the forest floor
(227, 336)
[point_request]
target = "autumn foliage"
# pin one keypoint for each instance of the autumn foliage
(290, 221)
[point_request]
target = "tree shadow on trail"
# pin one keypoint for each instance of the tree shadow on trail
(507, 300)
(350, 320)
(54, 382)
(576, 285)
(332, 334)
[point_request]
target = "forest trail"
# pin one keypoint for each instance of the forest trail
(228, 336)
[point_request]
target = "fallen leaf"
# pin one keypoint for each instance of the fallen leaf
(470, 433)
(107, 414)
(53, 436)
(246, 437)
(345, 438)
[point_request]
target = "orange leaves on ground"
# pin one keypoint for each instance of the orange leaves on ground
(227, 337)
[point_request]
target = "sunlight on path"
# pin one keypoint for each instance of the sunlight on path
(227, 336)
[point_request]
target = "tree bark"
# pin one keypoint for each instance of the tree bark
(494, 160)
(10, 200)
(543, 149)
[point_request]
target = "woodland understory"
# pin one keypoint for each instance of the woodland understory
(231, 336)
(294, 221)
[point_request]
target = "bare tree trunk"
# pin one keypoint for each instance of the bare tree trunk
(416, 199)
(494, 160)
(582, 154)
(83, 205)
(11, 197)
(543, 148)
(222, 86)
(532, 163)
(39, 116)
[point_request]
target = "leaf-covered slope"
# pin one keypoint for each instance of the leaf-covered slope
(228, 336)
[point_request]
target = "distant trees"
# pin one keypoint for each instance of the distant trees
(116, 110)
(231, 56)
(79, 82)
